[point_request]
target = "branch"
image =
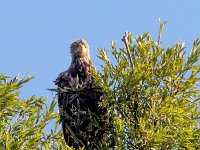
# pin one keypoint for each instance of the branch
(125, 40)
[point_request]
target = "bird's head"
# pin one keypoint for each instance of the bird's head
(80, 49)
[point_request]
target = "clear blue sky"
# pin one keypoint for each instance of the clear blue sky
(35, 34)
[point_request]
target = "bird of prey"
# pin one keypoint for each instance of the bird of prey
(84, 121)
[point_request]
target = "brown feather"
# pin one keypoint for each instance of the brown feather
(79, 106)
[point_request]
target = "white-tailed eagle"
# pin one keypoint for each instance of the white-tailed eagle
(84, 122)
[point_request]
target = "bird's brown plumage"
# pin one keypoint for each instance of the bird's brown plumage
(83, 120)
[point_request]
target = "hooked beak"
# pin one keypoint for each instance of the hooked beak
(82, 49)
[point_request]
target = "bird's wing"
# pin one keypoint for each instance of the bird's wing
(62, 81)
(62, 76)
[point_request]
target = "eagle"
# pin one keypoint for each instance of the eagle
(84, 121)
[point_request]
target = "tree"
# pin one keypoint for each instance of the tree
(152, 93)
(22, 122)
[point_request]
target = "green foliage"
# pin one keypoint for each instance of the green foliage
(22, 122)
(152, 93)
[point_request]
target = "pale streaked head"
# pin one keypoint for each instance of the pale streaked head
(80, 49)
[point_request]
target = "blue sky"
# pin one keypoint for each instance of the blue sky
(35, 35)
